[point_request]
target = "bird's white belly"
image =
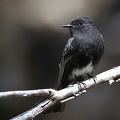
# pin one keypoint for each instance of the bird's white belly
(82, 71)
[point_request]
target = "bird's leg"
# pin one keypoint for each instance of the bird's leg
(93, 77)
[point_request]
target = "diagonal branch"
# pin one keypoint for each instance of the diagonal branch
(63, 95)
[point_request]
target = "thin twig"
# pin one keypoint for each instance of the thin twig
(25, 93)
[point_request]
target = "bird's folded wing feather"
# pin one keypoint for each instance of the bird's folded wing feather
(67, 59)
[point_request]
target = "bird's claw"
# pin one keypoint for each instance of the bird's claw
(80, 87)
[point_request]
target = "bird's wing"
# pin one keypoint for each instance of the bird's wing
(67, 61)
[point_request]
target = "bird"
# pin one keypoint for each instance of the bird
(81, 54)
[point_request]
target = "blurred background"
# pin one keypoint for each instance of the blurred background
(31, 45)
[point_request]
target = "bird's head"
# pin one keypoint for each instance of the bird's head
(80, 24)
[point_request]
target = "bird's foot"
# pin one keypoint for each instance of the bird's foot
(81, 86)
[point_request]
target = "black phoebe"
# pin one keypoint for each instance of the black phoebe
(81, 54)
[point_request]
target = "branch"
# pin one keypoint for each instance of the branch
(25, 93)
(63, 95)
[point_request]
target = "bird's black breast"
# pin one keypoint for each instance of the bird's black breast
(80, 57)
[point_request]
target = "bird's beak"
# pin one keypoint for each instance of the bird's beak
(67, 26)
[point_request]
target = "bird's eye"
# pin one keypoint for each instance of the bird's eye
(80, 23)
(77, 23)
